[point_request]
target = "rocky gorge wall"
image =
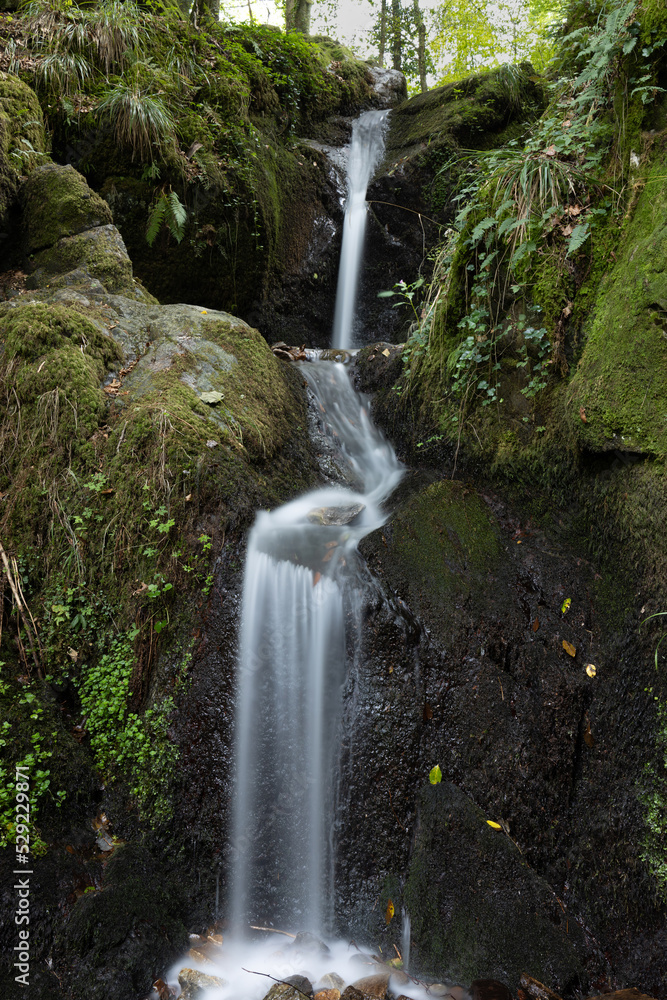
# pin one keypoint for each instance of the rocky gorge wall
(138, 439)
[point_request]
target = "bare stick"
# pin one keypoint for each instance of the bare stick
(273, 930)
(308, 996)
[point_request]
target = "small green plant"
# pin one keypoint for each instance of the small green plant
(166, 213)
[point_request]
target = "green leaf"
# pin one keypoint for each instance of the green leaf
(435, 775)
(482, 227)
(579, 236)
(155, 220)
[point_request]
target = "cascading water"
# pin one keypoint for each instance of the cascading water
(299, 579)
(301, 583)
(366, 148)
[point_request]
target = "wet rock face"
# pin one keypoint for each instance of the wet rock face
(463, 665)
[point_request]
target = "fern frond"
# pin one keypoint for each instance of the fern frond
(155, 220)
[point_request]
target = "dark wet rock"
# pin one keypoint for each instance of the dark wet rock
(306, 943)
(529, 987)
(489, 989)
(58, 203)
(476, 905)
(194, 984)
(350, 993)
(335, 515)
(373, 986)
(119, 939)
(292, 988)
(630, 994)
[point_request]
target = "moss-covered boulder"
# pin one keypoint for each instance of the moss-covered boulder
(440, 548)
(100, 252)
(58, 203)
(478, 910)
(617, 398)
(22, 143)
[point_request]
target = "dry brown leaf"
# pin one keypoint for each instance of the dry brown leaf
(536, 625)
(569, 648)
(582, 414)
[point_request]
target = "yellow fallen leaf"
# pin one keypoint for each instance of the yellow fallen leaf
(566, 605)
(591, 669)
(494, 826)
(389, 912)
(386, 352)
(569, 648)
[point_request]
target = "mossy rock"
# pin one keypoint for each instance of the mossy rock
(100, 252)
(57, 203)
(478, 910)
(440, 547)
(617, 398)
(135, 918)
(22, 139)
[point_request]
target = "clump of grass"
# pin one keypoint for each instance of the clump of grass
(139, 120)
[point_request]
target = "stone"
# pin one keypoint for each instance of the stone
(389, 85)
(101, 252)
(194, 984)
(329, 994)
(58, 203)
(534, 988)
(631, 994)
(490, 989)
(332, 981)
(373, 986)
(292, 988)
(335, 515)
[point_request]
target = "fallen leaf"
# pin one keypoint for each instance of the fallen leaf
(588, 736)
(494, 826)
(73, 655)
(317, 576)
(567, 310)
(567, 230)
(428, 712)
(386, 352)
(566, 605)
(550, 151)
(582, 414)
(536, 625)
(591, 669)
(569, 648)
(435, 775)
(389, 912)
(106, 492)
(188, 497)
(567, 123)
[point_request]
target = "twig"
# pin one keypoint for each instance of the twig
(21, 605)
(283, 981)
(273, 930)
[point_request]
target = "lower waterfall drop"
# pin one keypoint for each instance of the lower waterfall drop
(299, 579)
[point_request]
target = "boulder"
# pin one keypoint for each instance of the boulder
(194, 984)
(475, 904)
(335, 515)
(22, 146)
(389, 85)
(58, 203)
(100, 252)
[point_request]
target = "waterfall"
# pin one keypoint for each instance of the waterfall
(366, 148)
(299, 581)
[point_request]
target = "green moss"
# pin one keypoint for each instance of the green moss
(58, 203)
(620, 381)
(36, 328)
(100, 251)
(22, 139)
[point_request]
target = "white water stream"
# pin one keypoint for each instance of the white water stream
(299, 578)
(366, 148)
(300, 585)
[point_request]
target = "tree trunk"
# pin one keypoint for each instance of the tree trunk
(383, 31)
(396, 33)
(421, 47)
(297, 16)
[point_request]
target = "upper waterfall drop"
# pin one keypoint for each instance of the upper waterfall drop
(366, 150)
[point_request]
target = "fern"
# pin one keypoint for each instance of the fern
(155, 220)
(170, 212)
(579, 236)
